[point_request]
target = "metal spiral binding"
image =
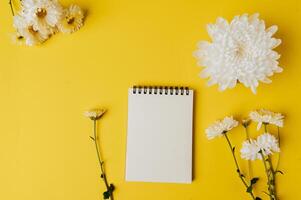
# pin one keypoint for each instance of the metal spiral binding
(160, 90)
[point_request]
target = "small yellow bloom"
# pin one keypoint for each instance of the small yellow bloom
(246, 122)
(95, 114)
(72, 20)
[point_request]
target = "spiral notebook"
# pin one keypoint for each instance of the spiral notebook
(159, 134)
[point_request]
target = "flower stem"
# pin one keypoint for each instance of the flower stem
(241, 176)
(249, 162)
(101, 162)
(278, 160)
(11, 7)
(270, 176)
(265, 127)
(273, 177)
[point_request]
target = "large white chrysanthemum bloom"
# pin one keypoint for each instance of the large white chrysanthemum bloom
(26, 30)
(240, 51)
(250, 150)
(263, 116)
(43, 14)
(220, 127)
(267, 143)
(72, 20)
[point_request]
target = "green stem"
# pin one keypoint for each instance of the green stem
(11, 7)
(249, 162)
(265, 127)
(268, 176)
(237, 166)
(273, 177)
(278, 161)
(101, 162)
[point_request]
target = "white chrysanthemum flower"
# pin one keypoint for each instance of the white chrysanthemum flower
(267, 143)
(240, 51)
(250, 150)
(43, 14)
(220, 127)
(72, 20)
(263, 116)
(26, 30)
(94, 114)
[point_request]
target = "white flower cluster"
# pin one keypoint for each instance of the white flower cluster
(263, 116)
(220, 127)
(265, 143)
(40, 19)
(241, 51)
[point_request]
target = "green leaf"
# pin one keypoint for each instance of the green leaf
(249, 189)
(92, 138)
(111, 187)
(254, 180)
(106, 195)
(258, 198)
(267, 193)
(280, 172)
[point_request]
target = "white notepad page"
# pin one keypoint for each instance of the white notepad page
(159, 136)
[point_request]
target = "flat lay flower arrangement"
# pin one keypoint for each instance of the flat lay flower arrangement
(263, 147)
(38, 20)
(240, 51)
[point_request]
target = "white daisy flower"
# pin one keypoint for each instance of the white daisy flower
(94, 114)
(43, 14)
(220, 127)
(240, 51)
(250, 150)
(263, 116)
(72, 20)
(26, 30)
(267, 143)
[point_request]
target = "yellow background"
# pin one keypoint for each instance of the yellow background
(45, 150)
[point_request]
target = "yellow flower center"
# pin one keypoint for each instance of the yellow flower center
(31, 30)
(70, 20)
(240, 51)
(41, 13)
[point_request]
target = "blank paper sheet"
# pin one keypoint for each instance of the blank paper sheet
(159, 135)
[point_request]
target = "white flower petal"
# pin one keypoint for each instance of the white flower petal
(268, 143)
(272, 30)
(250, 150)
